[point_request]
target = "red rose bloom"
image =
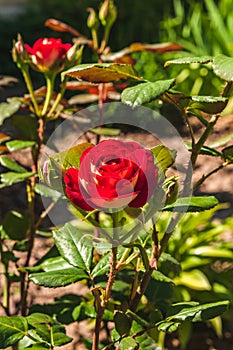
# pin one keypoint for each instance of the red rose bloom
(112, 174)
(48, 54)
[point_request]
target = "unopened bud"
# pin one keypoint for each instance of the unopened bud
(19, 53)
(92, 20)
(74, 56)
(107, 13)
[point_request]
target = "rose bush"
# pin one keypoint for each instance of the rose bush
(112, 174)
(48, 54)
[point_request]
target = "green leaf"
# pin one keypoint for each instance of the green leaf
(47, 192)
(8, 109)
(194, 279)
(26, 126)
(192, 204)
(11, 164)
(11, 178)
(159, 276)
(128, 344)
(222, 141)
(200, 313)
(169, 264)
(15, 225)
(19, 144)
(102, 72)
(60, 278)
(122, 323)
(106, 131)
(54, 264)
(145, 92)
(188, 60)
(73, 247)
(208, 104)
(212, 252)
(163, 158)
(228, 153)
(71, 157)
(102, 267)
(48, 330)
(209, 151)
(222, 67)
(12, 329)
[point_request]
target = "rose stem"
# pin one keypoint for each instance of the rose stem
(147, 274)
(31, 211)
(102, 304)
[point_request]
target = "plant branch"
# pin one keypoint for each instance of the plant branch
(197, 147)
(58, 98)
(50, 85)
(102, 301)
(204, 177)
(30, 88)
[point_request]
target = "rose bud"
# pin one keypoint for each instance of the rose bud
(107, 13)
(19, 53)
(48, 55)
(112, 174)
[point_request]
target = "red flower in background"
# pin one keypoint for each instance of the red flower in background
(112, 174)
(48, 54)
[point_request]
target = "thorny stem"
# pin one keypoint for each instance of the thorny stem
(147, 274)
(31, 234)
(31, 213)
(197, 147)
(102, 301)
(184, 115)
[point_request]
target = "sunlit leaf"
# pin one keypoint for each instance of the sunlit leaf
(102, 72)
(47, 192)
(73, 247)
(201, 313)
(208, 104)
(194, 279)
(11, 178)
(11, 164)
(12, 329)
(128, 343)
(213, 252)
(59, 278)
(163, 158)
(48, 330)
(188, 60)
(222, 67)
(106, 131)
(8, 109)
(145, 92)
(102, 267)
(192, 204)
(19, 144)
